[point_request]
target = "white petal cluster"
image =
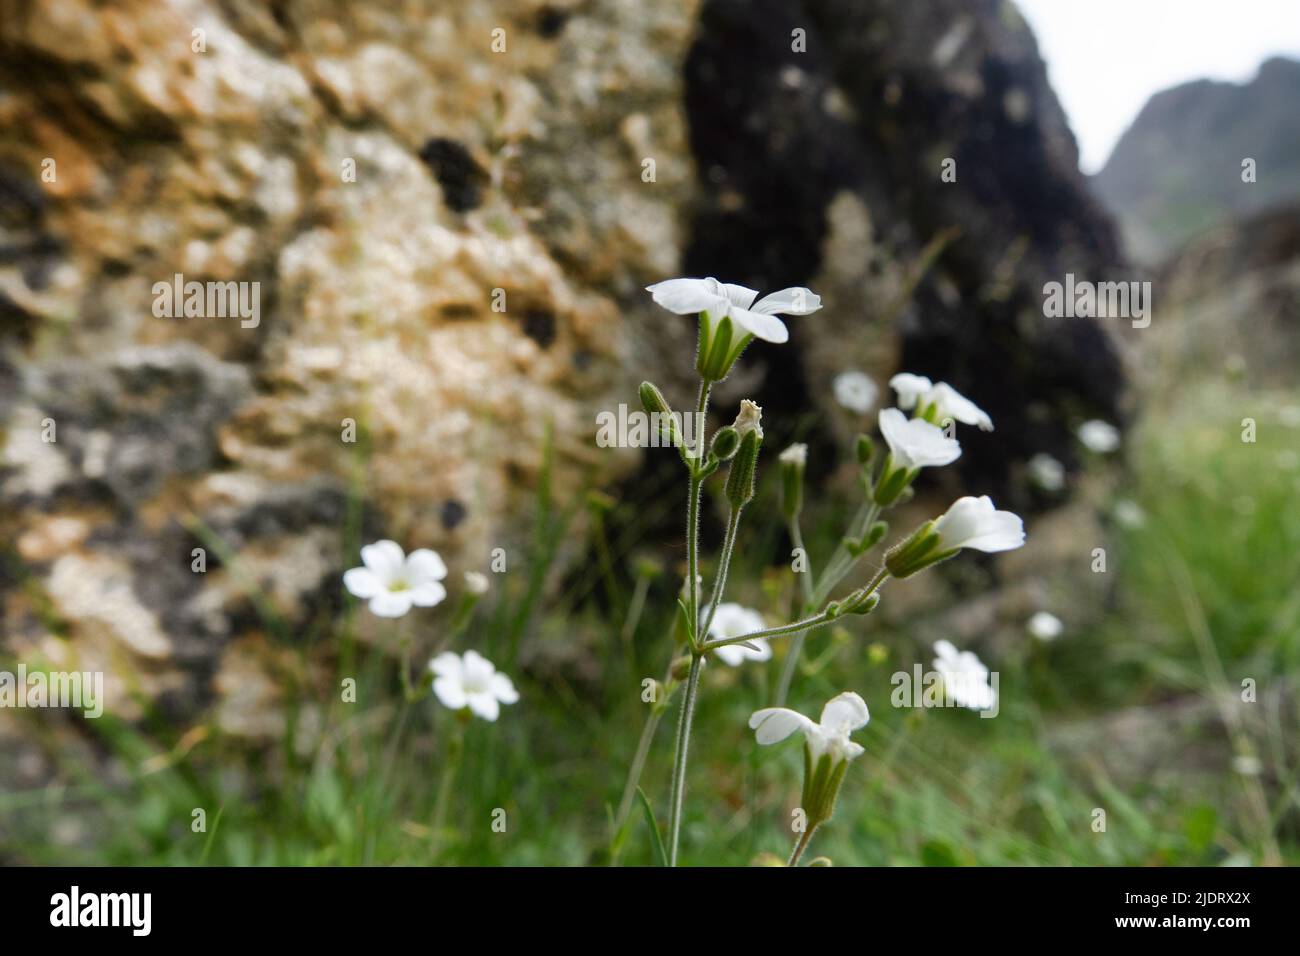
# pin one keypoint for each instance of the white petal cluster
(719, 299)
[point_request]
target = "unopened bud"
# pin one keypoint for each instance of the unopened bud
(725, 443)
(740, 479)
(793, 461)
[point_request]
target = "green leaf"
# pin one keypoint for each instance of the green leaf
(660, 855)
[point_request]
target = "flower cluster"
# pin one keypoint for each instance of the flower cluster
(393, 582)
(917, 434)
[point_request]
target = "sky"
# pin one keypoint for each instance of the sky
(1106, 57)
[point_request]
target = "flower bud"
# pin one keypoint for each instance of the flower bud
(866, 449)
(859, 603)
(725, 443)
(740, 478)
(750, 418)
(920, 550)
(793, 461)
(893, 482)
(653, 401)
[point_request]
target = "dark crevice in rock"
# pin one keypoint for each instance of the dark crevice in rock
(461, 178)
(868, 109)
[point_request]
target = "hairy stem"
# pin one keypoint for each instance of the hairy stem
(806, 590)
(720, 584)
(800, 845)
(679, 758)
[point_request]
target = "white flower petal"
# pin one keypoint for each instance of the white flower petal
(910, 388)
(953, 404)
(363, 583)
(428, 594)
(686, 296)
(975, 523)
(385, 558)
(766, 327)
(477, 669)
(446, 664)
(914, 442)
(844, 712)
(450, 693)
(425, 565)
(484, 705)
(774, 724)
(390, 603)
(739, 295)
(793, 301)
(503, 689)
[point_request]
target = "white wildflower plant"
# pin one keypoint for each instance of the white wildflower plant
(731, 316)
(470, 682)
(393, 582)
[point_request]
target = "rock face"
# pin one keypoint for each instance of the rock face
(940, 277)
(449, 213)
(1178, 170)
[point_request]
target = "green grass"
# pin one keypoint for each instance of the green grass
(1206, 595)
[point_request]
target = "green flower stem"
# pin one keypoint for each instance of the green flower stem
(801, 844)
(693, 511)
(450, 766)
(828, 614)
(806, 589)
(724, 566)
(679, 757)
(842, 562)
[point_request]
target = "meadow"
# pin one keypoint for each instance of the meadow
(1205, 595)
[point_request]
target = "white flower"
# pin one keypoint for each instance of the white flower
(393, 581)
(1045, 626)
(965, 679)
(685, 296)
(950, 403)
(840, 717)
(731, 620)
(1046, 472)
(975, 523)
(796, 454)
(1098, 436)
(471, 681)
(1129, 514)
(855, 391)
(914, 442)
(476, 582)
(917, 391)
(910, 388)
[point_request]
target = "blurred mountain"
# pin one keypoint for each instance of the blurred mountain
(1177, 171)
